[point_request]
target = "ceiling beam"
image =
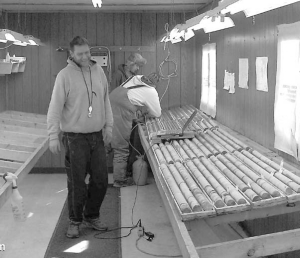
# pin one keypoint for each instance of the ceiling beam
(79, 7)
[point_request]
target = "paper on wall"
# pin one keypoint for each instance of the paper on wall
(226, 81)
(208, 85)
(287, 92)
(262, 73)
(243, 72)
(231, 83)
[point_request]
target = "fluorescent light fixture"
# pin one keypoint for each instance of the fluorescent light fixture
(176, 40)
(97, 3)
(19, 43)
(218, 24)
(254, 7)
(266, 5)
(33, 41)
(189, 33)
(6, 35)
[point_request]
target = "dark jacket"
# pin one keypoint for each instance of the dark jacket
(119, 77)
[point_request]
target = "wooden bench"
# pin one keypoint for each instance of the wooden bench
(221, 236)
(23, 140)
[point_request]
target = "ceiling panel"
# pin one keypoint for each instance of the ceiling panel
(107, 5)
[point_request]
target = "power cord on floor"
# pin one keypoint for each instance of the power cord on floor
(155, 255)
(141, 230)
(133, 225)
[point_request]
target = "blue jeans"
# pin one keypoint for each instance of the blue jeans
(85, 154)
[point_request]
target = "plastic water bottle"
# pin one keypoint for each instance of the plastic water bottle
(17, 204)
(140, 171)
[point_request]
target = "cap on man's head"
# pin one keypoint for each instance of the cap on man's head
(136, 58)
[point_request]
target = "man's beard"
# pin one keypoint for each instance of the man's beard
(80, 63)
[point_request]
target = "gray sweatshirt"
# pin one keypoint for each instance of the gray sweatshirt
(69, 105)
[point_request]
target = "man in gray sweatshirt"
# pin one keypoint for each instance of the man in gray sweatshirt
(81, 109)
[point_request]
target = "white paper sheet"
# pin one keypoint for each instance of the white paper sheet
(226, 81)
(243, 73)
(231, 83)
(262, 73)
(208, 102)
(287, 92)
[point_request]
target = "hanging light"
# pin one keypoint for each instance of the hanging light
(33, 41)
(176, 40)
(97, 3)
(218, 24)
(6, 35)
(189, 33)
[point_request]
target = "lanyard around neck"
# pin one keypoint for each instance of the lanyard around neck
(90, 99)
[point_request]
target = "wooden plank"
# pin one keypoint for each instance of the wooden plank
(68, 28)
(187, 73)
(258, 246)
(14, 155)
(123, 48)
(184, 240)
(80, 24)
(57, 62)
(8, 121)
(175, 55)
(91, 29)
(6, 189)
(24, 130)
(9, 146)
(28, 115)
(35, 106)
(23, 118)
(161, 55)
(21, 136)
(10, 164)
(253, 214)
(26, 76)
(201, 233)
(119, 38)
(128, 33)
(7, 169)
(19, 142)
(149, 39)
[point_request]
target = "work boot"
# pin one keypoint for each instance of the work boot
(73, 230)
(95, 224)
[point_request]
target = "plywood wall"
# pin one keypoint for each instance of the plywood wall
(31, 91)
(2, 78)
(250, 112)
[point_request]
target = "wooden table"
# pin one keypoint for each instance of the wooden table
(23, 140)
(221, 236)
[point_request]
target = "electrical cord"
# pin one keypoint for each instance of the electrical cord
(139, 223)
(155, 255)
(132, 211)
(167, 60)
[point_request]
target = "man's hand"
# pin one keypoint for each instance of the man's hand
(54, 146)
(107, 136)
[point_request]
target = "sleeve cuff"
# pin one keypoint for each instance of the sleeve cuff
(53, 137)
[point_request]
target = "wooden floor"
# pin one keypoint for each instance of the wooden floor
(44, 196)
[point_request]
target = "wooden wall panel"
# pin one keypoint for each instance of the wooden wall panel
(161, 55)
(3, 85)
(31, 91)
(175, 49)
(249, 112)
